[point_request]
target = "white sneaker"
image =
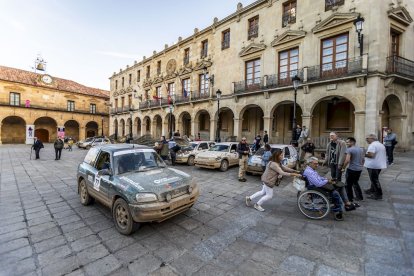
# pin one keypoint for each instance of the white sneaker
(248, 201)
(259, 208)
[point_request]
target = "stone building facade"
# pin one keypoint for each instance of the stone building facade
(44, 105)
(251, 57)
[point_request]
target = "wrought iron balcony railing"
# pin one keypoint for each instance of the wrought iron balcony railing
(198, 95)
(400, 66)
(339, 69)
(50, 107)
(253, 32)
(248, 85)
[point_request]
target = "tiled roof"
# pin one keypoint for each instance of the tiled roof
(30, 78)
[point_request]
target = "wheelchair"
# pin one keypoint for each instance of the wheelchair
(314, 203)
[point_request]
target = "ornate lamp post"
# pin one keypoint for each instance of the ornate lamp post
(172, 101)
(102, 124)
(218, 95)
(359, 23)
(116, 128)
(295, 81)
(131, 112)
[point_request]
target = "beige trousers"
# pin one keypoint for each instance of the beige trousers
(243, 166)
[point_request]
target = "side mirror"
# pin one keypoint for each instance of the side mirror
(105, 172)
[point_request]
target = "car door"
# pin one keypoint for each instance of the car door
(233, 155)
(101, 183)
(202, 147)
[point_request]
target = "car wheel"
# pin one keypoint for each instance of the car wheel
(122, 217)
(190, 161)
(85, 198)
(224, 165)
(88, 147)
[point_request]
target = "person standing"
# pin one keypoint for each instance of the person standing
(308, 149)
(257, 141)
(58, 145)
(335, 156)
(266, 156)
(70, 144)
(266, 138)
(304, 134)
(163, 147)
(298, 131)
(243, 150)
(390, 140)
(172, 148)
(37, 145)
(274, 169)
(355, 159)
(375, 161)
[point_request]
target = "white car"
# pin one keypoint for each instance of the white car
(187, 154)
(254, 164)
(93, 141)
(220, 156)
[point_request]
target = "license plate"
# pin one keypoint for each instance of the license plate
(177, 204)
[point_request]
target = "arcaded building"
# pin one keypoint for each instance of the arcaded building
(45, 106)
(355, 78)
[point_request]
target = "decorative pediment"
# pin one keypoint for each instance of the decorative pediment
(287, 37)
(116, 94)
(335, 20)
(147, 82)
(170, 76)
(401, 15)
(158, 79)
(129, 89)
(202, 64)
(185, 70)
(122, 91)
(252, 48)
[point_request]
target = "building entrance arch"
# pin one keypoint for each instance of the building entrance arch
(282, 122)
(72, 129)
(92, 129)
(392, 115)
(45, 129)
(13, 130)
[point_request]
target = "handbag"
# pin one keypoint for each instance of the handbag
(299, 184)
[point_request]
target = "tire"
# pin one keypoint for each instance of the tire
(224, 166)
(190, 161)
(88, 147)
(85, 198)
(313, 204)
(122, 217)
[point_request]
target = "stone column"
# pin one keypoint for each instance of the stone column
(82, 132)
(194, 128)
(373, 92)
(1, 126)
(267, 124)
(359, 132)
(307, 121)
(213, 126)
(237, 128)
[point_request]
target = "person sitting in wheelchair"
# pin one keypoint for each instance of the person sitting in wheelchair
(324, 185)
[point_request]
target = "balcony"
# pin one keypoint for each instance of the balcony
(199, 95)
(50, 107)
(400, 66)
(248, 85)
(182, 99)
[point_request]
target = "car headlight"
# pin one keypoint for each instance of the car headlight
(145, 197)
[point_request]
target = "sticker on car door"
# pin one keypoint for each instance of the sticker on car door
(97, 182)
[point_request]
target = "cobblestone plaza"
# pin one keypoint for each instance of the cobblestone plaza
(44, 230)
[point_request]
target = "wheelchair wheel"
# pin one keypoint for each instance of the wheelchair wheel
(313, 204)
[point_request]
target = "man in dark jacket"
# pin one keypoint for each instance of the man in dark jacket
(58, 144)
(243, 150)
(37, 145)
(266, 137)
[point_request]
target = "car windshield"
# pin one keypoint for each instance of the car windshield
(193, 145)
(261, 151)
(219, 148)
(137, 161)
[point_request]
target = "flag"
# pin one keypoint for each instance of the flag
(185, 93)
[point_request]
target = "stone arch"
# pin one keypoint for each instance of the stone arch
(129, 128)
(92, 129)
(146, 125)
(391, 115)
(225, 125)
(122, 127)
(157, 121)
(13, 130)
(202, 124)
(333, 113)
(251, 121)
(184, 121)
(137, 123)
(45, 129)
(72, 129)
(282, 122)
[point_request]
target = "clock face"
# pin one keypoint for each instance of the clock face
(47, 79)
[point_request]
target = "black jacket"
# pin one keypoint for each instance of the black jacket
(58, 144)
(241, 148)
(37, 145)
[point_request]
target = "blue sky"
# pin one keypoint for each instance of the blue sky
(86, 41)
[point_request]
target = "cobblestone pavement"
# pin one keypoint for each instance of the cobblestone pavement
(44, 230)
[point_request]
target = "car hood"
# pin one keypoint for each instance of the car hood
(211, 154)
(154, 181)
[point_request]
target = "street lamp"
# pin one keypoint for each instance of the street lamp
(295, 81)
(116, 128)
(172, 101)
(102, 124)
(209, 79)
(218, 95)
(359, 23)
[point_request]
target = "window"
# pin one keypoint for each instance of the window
(147, 94)
(92, 108)
(253, 30)
(123, 82)
(203, 84)
(288, 65)
(116, 104)
(395, 43)
(116, 84)
(103, 161)
(171, 88)
(14, 98)
(71, 106)
(130, 79)
(130, 101)
(158, 92)
(329, 4)
(253, 72)
(138, 75)
(148, 71)
(204, 48)
(334, 55)
(186, 56)
(186, 84)
(225, 39)
(159, 67)
(289, 13)
(122, 101)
